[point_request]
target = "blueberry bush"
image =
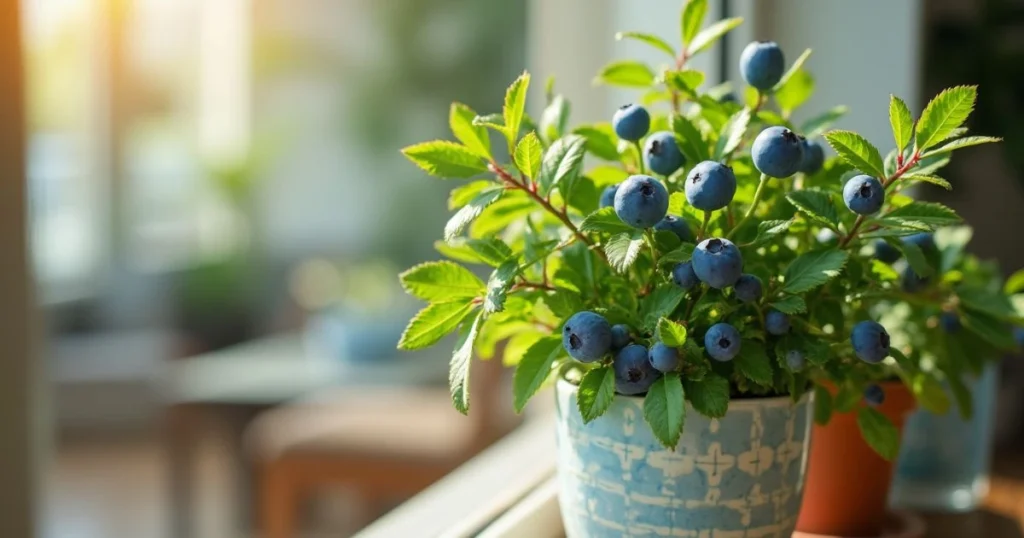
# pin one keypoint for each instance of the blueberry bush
(697, 248)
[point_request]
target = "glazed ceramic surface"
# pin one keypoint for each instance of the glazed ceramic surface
(739, 476)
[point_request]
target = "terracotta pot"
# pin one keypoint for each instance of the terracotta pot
(847, 482)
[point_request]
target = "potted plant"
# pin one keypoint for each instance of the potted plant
(691, 292)
(944, 457)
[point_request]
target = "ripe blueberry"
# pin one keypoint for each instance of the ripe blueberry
(762, 64)
(795, 360)
(870, 341)
(777, 152)
(663, 358)
(924, 240)
(633, 371)
(748, 288)
(683, 275)
(717, 262)
(814, 157)
(722, 342)
(863, 194)
(587, 336)
(661, 153)
(608, 196)
(776, 323)
(676, 225)
(710, 185)
(641, 201)
(874, 395)
(620, 336)
(911, 282)
(886, 253)
(949, 321)
(631, 122)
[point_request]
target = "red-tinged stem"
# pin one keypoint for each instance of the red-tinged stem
(680, 63)
(563, 216)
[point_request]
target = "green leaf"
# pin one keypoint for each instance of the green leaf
(597, 389)
(671, 333)
(817, 205)
(601, 140)
(928, 213)
(515, 104)
(989, 328)
(857, 152)
(769, 229)
(491, 251)
(527, 155)
(440, 281)
(693, 19)
(902, 122)
(534, 368)
(555, 118)
(732, 134)
(445, 159)
(812, 269)
(665, 409)
(564, 303)
(922, 178)
(660, 304)
(604, 220)
(685, 81)
(795, 92)
(879, 432)
(884, 271)
(491, 121)
(1014, 284)
(710, 396)
(753, 363)
(690, 141)
(458, 368)
(626, 73)
(434, 323)
(962, 143)
(930, 395)
(986, 301)
(649, 39)
(679, 255)
(822, 405)
(463, 194)
(931, 164)
(962, 395)
(676, 203)
(946, 112)
(707, 37)
(471, 211)
(474, 137)
(818, 124)
(498, 285)
(562, 162)
(622, 249)
(512, 207)
(790, 304)
(793, 69)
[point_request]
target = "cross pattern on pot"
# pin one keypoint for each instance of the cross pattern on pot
(789, 451)
(715, 463)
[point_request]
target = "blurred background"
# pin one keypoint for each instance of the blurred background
(216, 210)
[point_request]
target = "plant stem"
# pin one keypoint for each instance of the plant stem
(694, 301)
(639, 156)
(703, 226)
(680, 62)
(511, 181)
(753, 205)
(649, 237)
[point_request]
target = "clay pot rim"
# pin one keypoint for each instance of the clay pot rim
(740, 403)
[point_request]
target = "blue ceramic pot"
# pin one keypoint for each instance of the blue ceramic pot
(741, 475)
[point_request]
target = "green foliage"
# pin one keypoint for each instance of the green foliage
(530, 217)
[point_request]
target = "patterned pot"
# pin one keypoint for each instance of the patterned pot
(741, 475)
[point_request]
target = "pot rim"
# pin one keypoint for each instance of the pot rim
(754, 401)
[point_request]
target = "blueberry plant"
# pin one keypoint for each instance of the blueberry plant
(696, 248)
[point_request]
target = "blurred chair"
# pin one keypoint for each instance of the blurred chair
(383, 443)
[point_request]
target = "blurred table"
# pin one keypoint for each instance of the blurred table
(228, 388)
